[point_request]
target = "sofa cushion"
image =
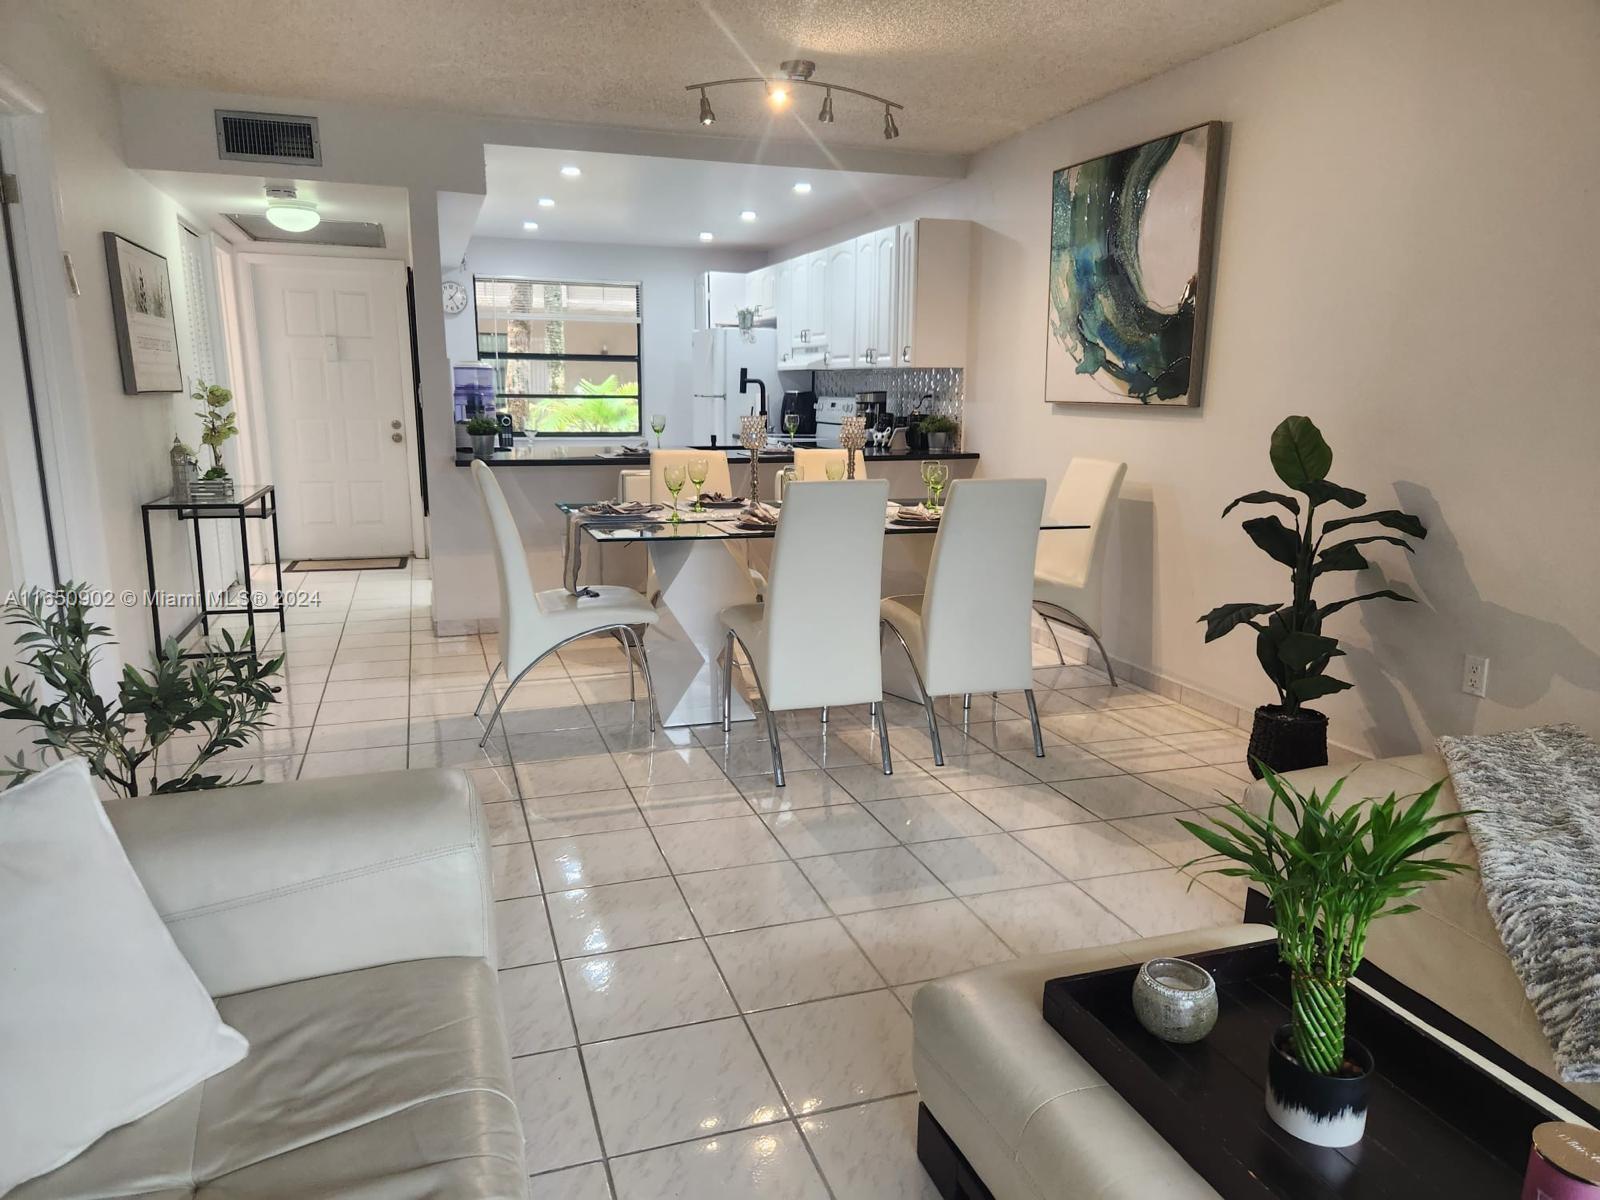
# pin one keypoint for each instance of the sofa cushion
(1448, 950)
(392, 1081)
(101, 1019)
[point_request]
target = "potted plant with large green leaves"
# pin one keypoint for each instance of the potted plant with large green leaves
(1290, 643)
(1328, 874)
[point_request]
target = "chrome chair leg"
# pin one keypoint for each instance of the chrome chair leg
(727, 684)
(824, 714)
(1104, 657)
(772, 717)
(883, 737)
(1033, 715)
(1077, 625)
(1050, 626)
(495, 716)
(487, 684)
(644, 667)
(927, 700)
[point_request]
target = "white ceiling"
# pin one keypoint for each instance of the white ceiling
(639, 201)
(970, 72)
(207, 197)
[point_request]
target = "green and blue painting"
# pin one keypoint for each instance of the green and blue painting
(1130, 251)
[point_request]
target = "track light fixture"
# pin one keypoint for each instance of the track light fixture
(780, 88)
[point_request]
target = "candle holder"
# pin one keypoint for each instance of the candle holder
(852, 437)
(753, 437)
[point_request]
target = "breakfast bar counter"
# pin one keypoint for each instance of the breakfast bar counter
(583, 456)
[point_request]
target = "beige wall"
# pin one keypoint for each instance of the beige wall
(1409, 253)
(123, 444)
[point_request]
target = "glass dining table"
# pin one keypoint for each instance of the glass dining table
(698, 576)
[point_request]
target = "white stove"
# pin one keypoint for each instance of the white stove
(831, 412)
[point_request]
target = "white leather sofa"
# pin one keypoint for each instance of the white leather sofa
(1035, 1122)
(346, 929)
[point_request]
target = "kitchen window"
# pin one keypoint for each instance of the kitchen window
(565, 354)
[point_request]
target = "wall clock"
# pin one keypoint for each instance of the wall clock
(455, 297)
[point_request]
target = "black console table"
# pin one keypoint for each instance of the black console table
(251, 503)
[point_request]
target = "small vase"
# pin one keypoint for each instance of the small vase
(1287, 741)
(1175, 999)
(1325, 1110)
(483, 444)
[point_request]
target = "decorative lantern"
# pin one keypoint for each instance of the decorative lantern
(185, 468)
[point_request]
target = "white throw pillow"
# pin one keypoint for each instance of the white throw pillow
(102, 1020)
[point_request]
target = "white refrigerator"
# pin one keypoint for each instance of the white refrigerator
(719, 355)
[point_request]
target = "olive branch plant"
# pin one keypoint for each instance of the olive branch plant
(1328, 876)
(226, 697)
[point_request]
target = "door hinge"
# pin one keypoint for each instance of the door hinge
(9, 192)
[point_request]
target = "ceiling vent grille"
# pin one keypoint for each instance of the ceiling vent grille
(268, 137)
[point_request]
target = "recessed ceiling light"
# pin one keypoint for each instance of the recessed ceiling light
(707, 236)
(747, 215)
(571, 172)
(530, 226)
(546, 202)
(802, 188)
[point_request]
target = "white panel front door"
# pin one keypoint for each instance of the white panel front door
(332, 339)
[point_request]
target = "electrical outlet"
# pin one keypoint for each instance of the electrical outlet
(1475, 675)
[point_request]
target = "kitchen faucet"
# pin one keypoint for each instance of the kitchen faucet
(744, 386)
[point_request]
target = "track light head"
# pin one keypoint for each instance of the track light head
(826, 115)
(890, 129)
(707, 117)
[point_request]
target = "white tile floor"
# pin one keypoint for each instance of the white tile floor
(707, 979)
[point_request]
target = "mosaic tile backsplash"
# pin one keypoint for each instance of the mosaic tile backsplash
(905, 385)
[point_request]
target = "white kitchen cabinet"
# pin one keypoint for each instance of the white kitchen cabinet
(839, 315)
(875, 336)
(783, 300)
(761, 290)
(933, 284)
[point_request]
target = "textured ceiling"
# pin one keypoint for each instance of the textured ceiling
(970, 72)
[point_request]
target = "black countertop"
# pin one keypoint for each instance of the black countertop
(579, 456)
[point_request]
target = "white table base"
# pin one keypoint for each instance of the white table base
(698, 579)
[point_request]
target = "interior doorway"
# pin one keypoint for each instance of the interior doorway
(334, 394)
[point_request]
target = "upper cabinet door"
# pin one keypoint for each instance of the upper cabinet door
(905, 268)
(840, 319)
(885, 251)
(867, 341)
(816, 322)
(783, 302)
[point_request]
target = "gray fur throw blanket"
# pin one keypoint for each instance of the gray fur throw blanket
(1533, 799)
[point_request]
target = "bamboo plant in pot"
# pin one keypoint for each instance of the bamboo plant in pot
(1328, 874)
(1290, 643)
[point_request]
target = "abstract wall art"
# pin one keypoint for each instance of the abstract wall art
(1130, 272)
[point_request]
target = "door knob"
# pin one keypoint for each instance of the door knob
(394, 424)
(395, 437)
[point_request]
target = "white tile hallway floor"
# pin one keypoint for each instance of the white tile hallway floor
(707, 979)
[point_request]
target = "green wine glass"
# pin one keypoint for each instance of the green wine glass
(658, 423)
(699, 468)
(672, 476)
(791, 424)
(936, 475)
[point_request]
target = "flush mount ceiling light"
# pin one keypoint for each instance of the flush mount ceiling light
(780, 89)
(288, 212)
(571, 172)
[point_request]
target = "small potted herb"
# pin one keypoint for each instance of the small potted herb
(1290, 643)
(1328, 874)
(941, 433)
(484, 433)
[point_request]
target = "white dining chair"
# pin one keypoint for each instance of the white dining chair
(971, 629)
(813, 463)
(1068, 571)
(535, 624)
(717, 477)
(633, 485)
(813, 642)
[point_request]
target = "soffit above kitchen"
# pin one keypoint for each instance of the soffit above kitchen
(969, 72)
(639, 200)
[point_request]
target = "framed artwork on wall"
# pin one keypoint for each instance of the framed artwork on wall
(1130, 272)
(147, 326)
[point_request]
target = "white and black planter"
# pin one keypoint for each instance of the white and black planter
(1325, 1110)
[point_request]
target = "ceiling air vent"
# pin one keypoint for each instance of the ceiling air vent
(268, 137)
